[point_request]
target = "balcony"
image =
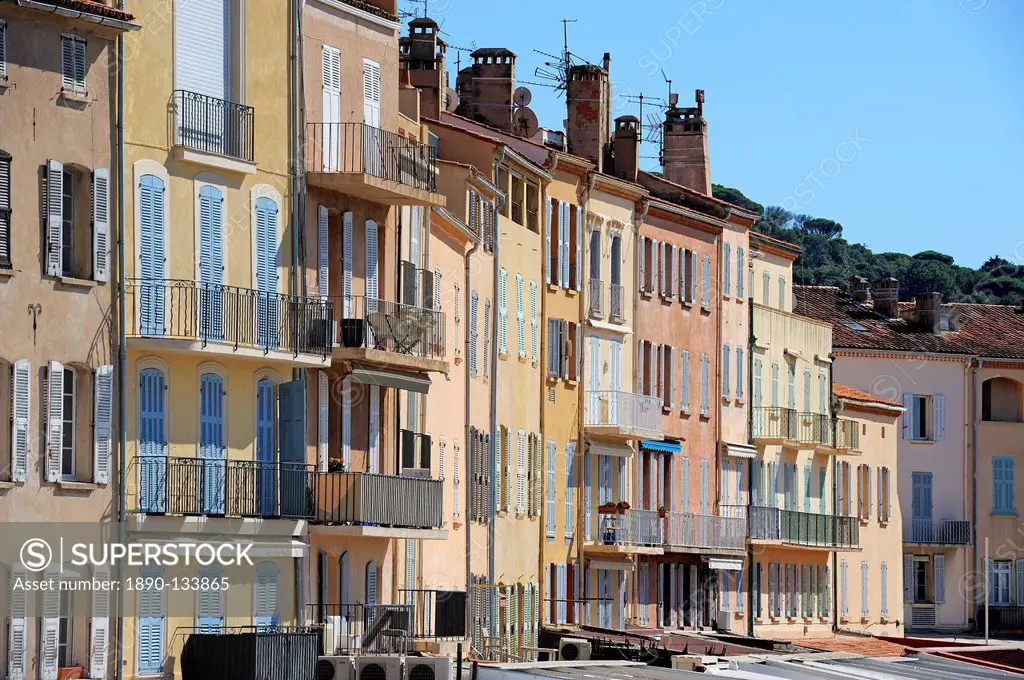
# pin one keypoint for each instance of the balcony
(688, 532)
(424, 617)
(200, 487)
(773, 424)
(847, 436)
(595, 298)
(213, 131)
(185, 315)
(373, 164)
(623, 415)
(616, 295)
(359, 504)
(632, 531)
(809, 529)
(799, 429)
(390, 334)
(943, 532)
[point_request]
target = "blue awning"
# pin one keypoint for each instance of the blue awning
(667, 447)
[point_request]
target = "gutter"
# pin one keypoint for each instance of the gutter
(109, 22)
(974, 366)
(751, 572)
(499, 204)
(122, 357)
(468, 274)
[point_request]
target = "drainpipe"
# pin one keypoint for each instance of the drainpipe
(543, 518)
(499, 205)
(835, 498)
(975, 365)
(717, 398)
(467, 462)
(751, 571)
(122, 355)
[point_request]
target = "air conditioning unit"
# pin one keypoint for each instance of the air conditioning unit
(417, 473)
(335, 668)
(573, 649)
(378, 668)
(429, 668)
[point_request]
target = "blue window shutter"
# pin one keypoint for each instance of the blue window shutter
(291, 415)
(727, 270)
(151, 624)
(152, 263)
(211, 441)
(266, 476)
(266, 272)
(211, 263)
(209, 601)
(152, 441)
(807, 487)
(267, 596)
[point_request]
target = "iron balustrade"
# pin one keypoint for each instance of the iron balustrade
(213, 125)
(417, 286)
(437, 614)
(415, 450)
(362, 148)
(378, 500)
(219, 487)
(774, 422)
(595, 296)
(241, 317)
(633, 528)
(940, 532)
(615, 301)
(371, 323)
(691, 530)
(636, 413)
(847, 435)
(364, 628)
(803, 528)
(1002, 618)
(815, 428)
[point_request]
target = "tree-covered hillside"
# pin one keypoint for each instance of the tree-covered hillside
(829, 259)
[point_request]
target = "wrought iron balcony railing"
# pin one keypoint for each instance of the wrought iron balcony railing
(803, 528)
(219, 487)
(357, 147)
(937, 532)
(595, 297)
(630, 413)
(847, 435)
(690, 530)
(212, 125)
(242, 317)
(615, 296)
(632, 528)
(774, 422)
(378, 500)
(370, 323)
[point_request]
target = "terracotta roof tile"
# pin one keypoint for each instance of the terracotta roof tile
(865, 646)
(93, 7)
(847, 392)
(992, 331)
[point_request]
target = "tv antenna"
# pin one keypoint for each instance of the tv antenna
(651, 129)
(556, 70)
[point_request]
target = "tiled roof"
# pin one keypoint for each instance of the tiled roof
(372, 9)
(846, 392)
(992, 331)
(92, 7)
(856, 644)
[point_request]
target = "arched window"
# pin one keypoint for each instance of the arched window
(1001, 400)
(371, 583)
(152, 460)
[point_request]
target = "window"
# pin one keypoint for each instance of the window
(919, 417)
(517, 198)
(999, 582)
(563, 343)
(76, 240)
(727, 270)
(595, 256)
(67, 444)
(72, 64)
(3, 50)
(616, 260)
(765, 289)
(1003, 501)
(740, 267)
(1000, 399)
(919, 582)
(532, 201)
(563, 239)
(65, 632)
(5, 195)
(782, 293)
(791, 385)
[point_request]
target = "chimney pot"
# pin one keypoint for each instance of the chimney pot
(859, 289)
(627, 147)
(886, 294)
(588, 97)
(928, 311)
(685, 143)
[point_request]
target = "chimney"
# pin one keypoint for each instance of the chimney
(588, 94)
(485, 88)
(627, 147)
(886, 294)
(928, 311)
(859, 289)
(422, 62)
(685, 141)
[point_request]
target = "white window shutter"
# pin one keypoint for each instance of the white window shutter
(347, 263)
(864, 589)
(371, 266)
(346, 422)
(374, 433)
(578, 283)
(885, 591)
(17, 643)
(843, 601)
(521, 471)
(548, 226)
(939, 404)
(100, 224)
(99, 631)
(103, 402)
(323, 402)
(21, 401)
(908, 414)
(705, 281)
(642, 265)
(322, 251)
(54, 216)
(49, 631)
(940, 577)
(655, 267)
(55, 420)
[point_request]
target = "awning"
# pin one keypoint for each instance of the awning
(387, 377)
(611, 565)
(666, 446)
(614, 450)
(740, 450)
(725, 565)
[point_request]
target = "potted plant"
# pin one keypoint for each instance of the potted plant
(623, 507)
(608, 509)
(662, 511)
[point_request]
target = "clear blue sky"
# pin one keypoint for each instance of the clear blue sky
(931, 90)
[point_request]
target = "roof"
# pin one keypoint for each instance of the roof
(857, 644)
(492, 52)
(534, 152)
(678, 194)
(853, 394)
(987, 331)
(784, 248)
(92, 7)
(372, 9)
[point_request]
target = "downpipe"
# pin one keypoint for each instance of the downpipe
(499, 205)
(122, 360)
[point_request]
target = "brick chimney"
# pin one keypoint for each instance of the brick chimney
(886, 294)
(928, 311)
(627, 147)
(485, 88)
(422, 62)
(588, 94)
(685, 140)
(859, 289)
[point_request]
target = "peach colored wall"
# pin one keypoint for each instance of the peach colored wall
(735, 320)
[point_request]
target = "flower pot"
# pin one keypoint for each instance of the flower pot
(353, 332)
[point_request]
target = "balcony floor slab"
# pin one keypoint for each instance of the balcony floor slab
(231, 528)
(602, 549)
(187, 346)
(397, 360)
(378, 532)
(374, 189)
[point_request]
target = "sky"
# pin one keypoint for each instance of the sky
(903, 121)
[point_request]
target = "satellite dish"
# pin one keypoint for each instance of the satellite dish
(451, 99)
(522, 96)
(525, 122)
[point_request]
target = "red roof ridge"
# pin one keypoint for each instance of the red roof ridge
(846, 392)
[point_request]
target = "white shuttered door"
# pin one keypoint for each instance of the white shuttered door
(201, 47)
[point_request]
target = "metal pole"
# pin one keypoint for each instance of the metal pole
(987, 586)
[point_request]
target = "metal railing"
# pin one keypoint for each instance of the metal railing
(378, 500)
(943, 531)
(1002, 618)
(230, 488)
(634, 413)
(690, 530)
(213, 125)
(595, 297)
(615, 298)
(437, 614)
(357, 147)
(634, 527)
(371, 323)
(803, 528)
(415, 450)
(364, 628)
(847, 435)
(774, 422)
(815, 428)
(242, 317)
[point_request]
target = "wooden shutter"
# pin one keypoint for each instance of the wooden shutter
(374, 433)
(705, 281)
(739, 272)
(520, 317)
(346, 421)
(371, 266)
(642, 265)
(502, 310)
(939, 563)
(103, 401)
(473, 312)
(49, 630)
(371, 93)
(864, 589)
(939, 416)
(21, 400)
(843, 594)
(727, 270)
(3, 49)
(550, 510)
(566, 245)
(151, 625)
(54, 216)
(521, 471)
(885, 591)
(548, 253)
(726, 361)
(322, 251)
(908, 415)
(55, 422)
(704, 406)
(322, 422)
(17, 643)
(534, 344)
(487, 337)
(578, 282)
(347, 263)
(371, 583)
(100, 224)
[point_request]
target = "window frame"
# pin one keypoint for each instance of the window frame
(6, 161)
(1000, 570)
(75, 89)
(70, 387)
(65, 627)
(921, 405)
